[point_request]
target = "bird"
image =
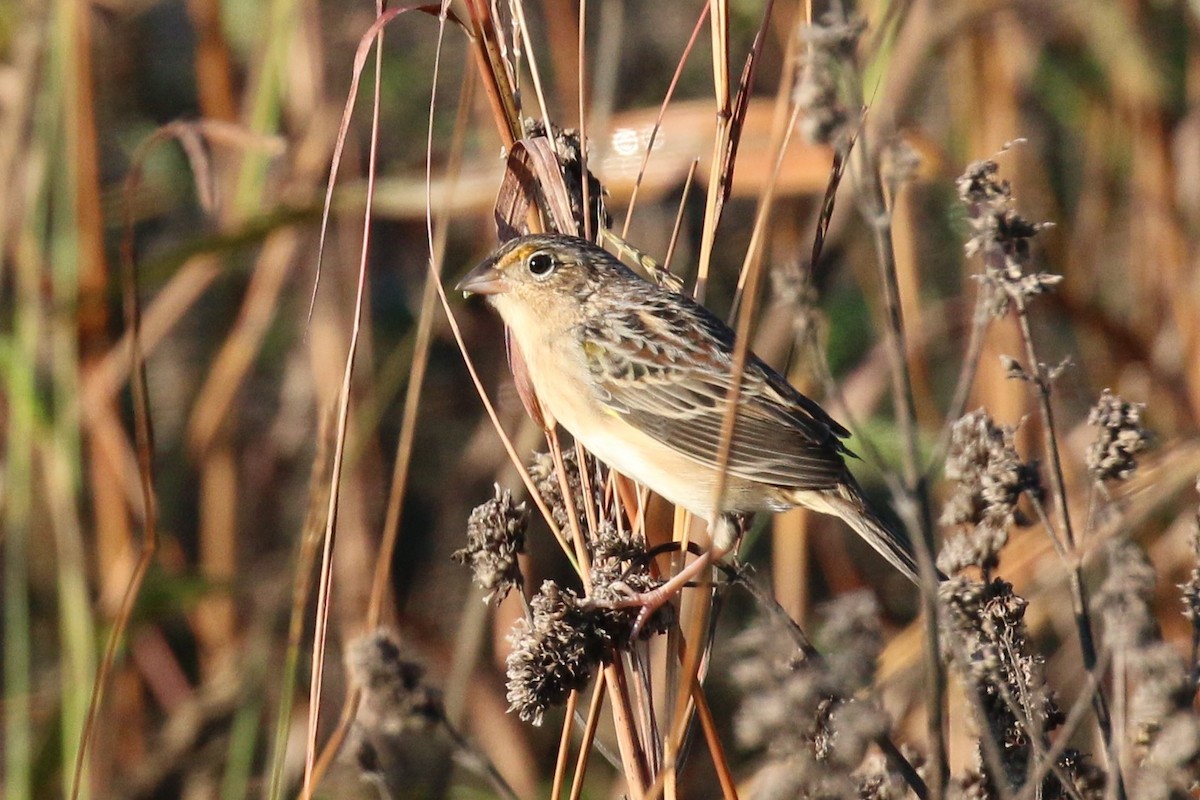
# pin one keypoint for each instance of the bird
(640, 375)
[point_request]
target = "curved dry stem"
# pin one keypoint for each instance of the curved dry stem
(189, 136)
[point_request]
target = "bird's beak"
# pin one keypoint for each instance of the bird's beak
(484, 279)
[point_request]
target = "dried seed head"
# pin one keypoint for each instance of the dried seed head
(1163, 689)
(1123, 600)
(877, 780)
(569, 152)
(555, 651)
(990, 479)
(613, 543)
(1001, 237)
(545, 479)
(495, 535)
(395, 697)
(1191, 589)
(806, 711)
(853, 638)
(988, 643)
(831, 46)
(1119, 439)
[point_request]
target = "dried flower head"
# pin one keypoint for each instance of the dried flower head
(990, 478)
(1001, 237)
(810, 713)
(395, 697)
(554, 651)
(1119, 438)
(988, 643)
(1162, 688)
(1191, 589)
(545, 479)
(495, 535)
(1123, 600)
(617, 543)
(877, 780)
(1166, 729)
(568, 150)
(830, 46)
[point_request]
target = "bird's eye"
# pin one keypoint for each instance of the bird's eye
(541, 264)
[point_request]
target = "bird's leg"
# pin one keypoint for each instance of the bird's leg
(651, 601)
(725, 534)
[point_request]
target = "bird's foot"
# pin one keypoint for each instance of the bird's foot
(649, 601)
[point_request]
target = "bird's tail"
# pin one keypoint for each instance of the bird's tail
(847, 502)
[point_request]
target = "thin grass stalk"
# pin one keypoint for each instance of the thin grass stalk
(404, 448)
(455, 330)
(715, 748)
(310, 539)
(637, 661)
(315, 769)
(632, 756)
(719, 13)
(589, 736)
(722, 172)
(690, 662)
(65, 120)
(684, 194)
(583, 559)
(581, 96)
(662, 110)
(962, 387)
(326, 581)
(519, 9)
(416, 382)
(23, 425)
(585, 482)
(110, 514)
(481, 763)
(564, 746)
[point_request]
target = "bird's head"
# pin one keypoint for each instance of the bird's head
(542, 274)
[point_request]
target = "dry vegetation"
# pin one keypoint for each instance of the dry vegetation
(244, 469)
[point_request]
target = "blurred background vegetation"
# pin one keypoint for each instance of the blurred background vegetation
(241, 378)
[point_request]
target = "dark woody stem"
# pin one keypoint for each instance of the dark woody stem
(1041, 381)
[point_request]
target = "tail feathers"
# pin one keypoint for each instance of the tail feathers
(848, 503)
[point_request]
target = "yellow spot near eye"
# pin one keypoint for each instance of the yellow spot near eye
(517, 256)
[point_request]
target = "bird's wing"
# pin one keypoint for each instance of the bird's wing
(665, 366)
